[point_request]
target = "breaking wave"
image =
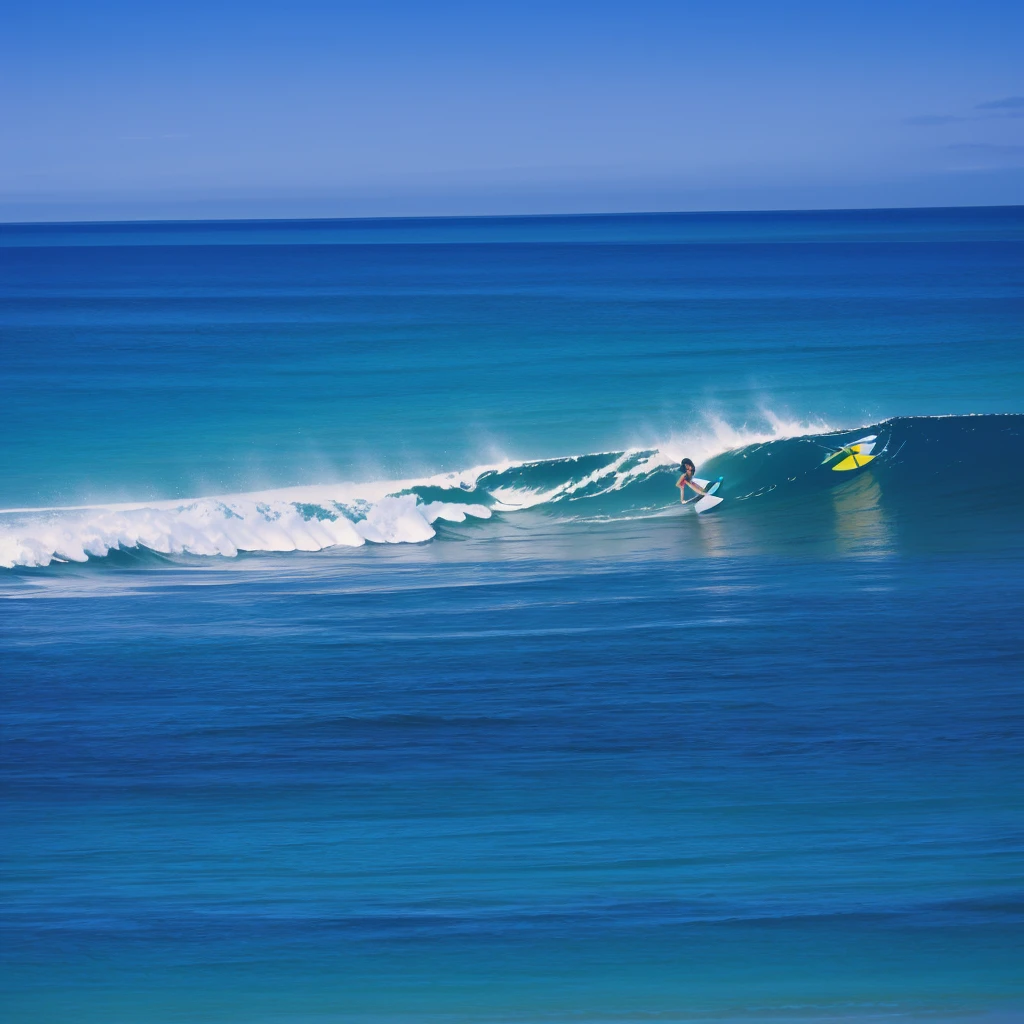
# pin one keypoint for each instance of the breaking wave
(922, 464)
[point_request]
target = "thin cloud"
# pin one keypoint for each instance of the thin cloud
(1008, 106)
(929, 120)
(151, 138)
(986, 148)
(1007, 103)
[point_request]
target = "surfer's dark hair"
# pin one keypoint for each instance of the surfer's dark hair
(687, 462)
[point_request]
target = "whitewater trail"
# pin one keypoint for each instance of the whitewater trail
(311, 518)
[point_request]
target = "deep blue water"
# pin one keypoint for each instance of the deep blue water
(359, 663)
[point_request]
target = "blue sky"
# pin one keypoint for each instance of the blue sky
(114, 110)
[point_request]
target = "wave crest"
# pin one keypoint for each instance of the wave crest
(915, 459)
(221, 526)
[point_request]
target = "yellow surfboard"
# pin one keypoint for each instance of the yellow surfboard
(853, 461)
(853, 456)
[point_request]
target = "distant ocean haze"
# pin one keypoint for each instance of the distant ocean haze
(171, 361)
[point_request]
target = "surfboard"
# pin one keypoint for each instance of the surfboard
(853, 455)
(706, 485)
(707, 501)
(852, 461)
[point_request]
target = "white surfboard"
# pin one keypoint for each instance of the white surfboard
(705, 502)
(703, 485)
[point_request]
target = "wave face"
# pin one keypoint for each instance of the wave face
(926, 472)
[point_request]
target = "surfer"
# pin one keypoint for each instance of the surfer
(686, 480)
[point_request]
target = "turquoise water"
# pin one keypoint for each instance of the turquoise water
(181, 361)
(359, 663)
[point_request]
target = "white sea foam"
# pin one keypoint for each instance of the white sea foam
(273, 521)
(347, 515)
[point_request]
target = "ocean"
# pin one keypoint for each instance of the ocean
(359, 662)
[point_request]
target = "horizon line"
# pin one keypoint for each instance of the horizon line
(506, 216)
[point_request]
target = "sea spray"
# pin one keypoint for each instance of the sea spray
(914, 458)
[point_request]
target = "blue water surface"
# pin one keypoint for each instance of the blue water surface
(246, 356)
(345, 753)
